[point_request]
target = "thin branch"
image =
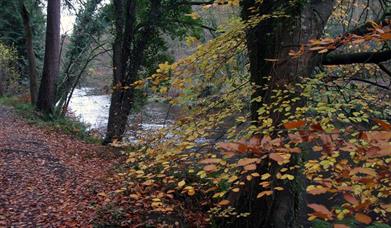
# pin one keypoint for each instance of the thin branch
(196, 3)
(370, 82)
(384, 69)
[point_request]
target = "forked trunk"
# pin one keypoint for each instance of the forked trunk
(127, 62)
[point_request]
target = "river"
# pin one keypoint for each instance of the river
(93, 110)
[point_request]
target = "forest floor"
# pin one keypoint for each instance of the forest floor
(48, 178)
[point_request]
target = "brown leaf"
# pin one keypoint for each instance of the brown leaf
(340, 226)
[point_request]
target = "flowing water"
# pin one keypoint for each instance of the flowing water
(93, 110)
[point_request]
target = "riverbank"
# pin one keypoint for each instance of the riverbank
(71, 126)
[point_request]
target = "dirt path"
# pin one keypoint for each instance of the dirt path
(48, 179)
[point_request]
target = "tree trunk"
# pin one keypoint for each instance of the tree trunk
(273, 39)
(30, 54)
(47, 90)
(126, 63)
(120, 99)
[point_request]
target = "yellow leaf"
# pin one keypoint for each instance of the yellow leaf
(255, 174)
(287, 176)
(181, 184)
(232, 179)
(265, 176)
(210, 161)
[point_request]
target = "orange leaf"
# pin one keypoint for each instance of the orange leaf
(247, 161)
(351, 199)
(376, 136)
(210, 168)
(383, 124)
(317, 191)
(224, 202)
(340, 226)
(321, 210)
(237, 147)
(380, 150)
(363, 218)
(276, 157)
(294, 124)
(250, 167)
(362, 170)
(386, 36)
(264, 193)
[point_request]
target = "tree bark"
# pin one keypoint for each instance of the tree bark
(47, 90)
(30, 54)
(273, 39)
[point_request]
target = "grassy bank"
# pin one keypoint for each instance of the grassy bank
(66, 125)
